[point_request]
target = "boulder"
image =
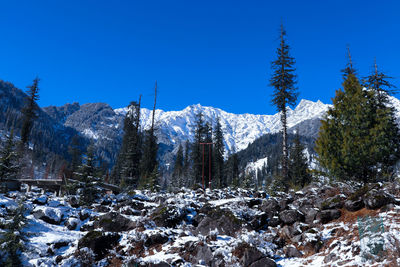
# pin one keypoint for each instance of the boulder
(354, 205)
(99, 242)
(203, 255)
(42, 200)
(270, 207)
(74, 201)
(377, 199)
(114, 222)
(168, 216)
(264, 262)
(335, 202)
(155, 240)
(49, 215)
(72, 223)
(292, 252)
(274, 221)
(309, 214)
(326, 216)
(290, 216)
(250, 256)
(260, 222)
(221, 219)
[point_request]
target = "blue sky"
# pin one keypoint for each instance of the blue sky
(216, 53)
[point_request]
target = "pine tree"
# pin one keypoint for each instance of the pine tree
(186, 162)
(219, 150)
(127, 168)
(178, 168)
(75, 152)
(196, 151)
(30, 111)
(359, 138)
(285, 93)
(8, 159)
(298, 167)
(86, 175)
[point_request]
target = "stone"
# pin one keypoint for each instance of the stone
(114, 222)
(156, 240)
(168, 216)
(74, 201)
(309, 214)
(49, 215)
(99, 242)
(354, 205)
(326, 216)
(377, 199)
(250, 256)
(72, 223)
(292, 252)
(270, 207)
(290, 216)
(264, 262)
(335, 202)
(42, 200)
(221, 219)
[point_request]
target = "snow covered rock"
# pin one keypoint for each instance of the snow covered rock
(354, 205)
(72, 223)
(221, 219)
(156, 240)
(291, 251)
(49, 215)
(168, 216)
(42, 200)
(99, 242)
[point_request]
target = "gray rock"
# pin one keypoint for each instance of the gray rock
(264, 262)
(270, 206)
(290, 216)
(42, 200)
(309, 214)
(204, 255)
(354, 205)
(114, 222)
(291, 252)
(168, 216)
(335, 202)
(250, 256)
(222, 219)
(49, 215)
(377, 199)
(155, 240)
(326, 216)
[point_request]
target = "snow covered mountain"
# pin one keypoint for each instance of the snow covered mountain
(239, 129)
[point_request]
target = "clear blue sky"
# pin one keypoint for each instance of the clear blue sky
(216, 53)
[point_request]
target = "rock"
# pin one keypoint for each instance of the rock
(290, 216)
(250, 256)
(114, 222)
(168, 216)
(74, 201)
(354, 205)
(221, 219)
(309, 214)
(49, 215)
(84, 214)
(155, 240)
(330, 257)
(253, 202)
(377, 199)
(137, 205)
(326, 216)
(335, 202)
(260, 222)
(292, 252)
(204, 255)
(264, 262)
(274, 221)
(72, 223)
(42, 200)
(101, 209)
(270, 207)
(99, 242)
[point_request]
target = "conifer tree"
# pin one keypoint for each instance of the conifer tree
(196, 153)
(219, 150)
(8, 159)
(298, 167)
(285, 93)
(30, 110)
(186, 161)
(178, 167)
(74, 150)
(358, 138)
(127, 168)
(87, 175)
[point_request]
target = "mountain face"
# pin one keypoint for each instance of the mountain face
(48, 135)
(103, 125)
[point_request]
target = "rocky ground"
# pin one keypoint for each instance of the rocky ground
(313, 227)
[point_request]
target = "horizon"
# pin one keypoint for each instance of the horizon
(216, 54)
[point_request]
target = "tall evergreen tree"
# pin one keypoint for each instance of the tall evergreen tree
(186, 161)
(219, 150)
(30, 110)
(196, 151)
(298, 166)
(358, 139)
(178, 167)
(285, 93)
(8, 159)
(87, 175)
(75, 152)
(128, 162)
